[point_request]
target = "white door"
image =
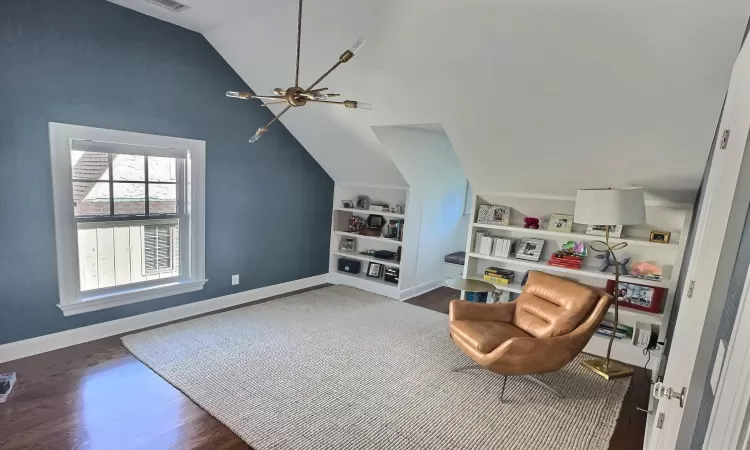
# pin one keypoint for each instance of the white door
(672, 427)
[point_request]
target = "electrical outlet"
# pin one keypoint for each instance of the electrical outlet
(235, 279)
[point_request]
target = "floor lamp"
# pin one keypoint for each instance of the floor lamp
(610, 207)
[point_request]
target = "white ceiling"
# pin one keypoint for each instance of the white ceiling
(536, 95)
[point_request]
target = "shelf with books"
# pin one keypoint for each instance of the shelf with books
(584, 272)
(573, 235)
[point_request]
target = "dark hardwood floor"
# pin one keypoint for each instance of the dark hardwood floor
(98, 396)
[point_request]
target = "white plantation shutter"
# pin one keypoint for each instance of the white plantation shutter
(157, 243)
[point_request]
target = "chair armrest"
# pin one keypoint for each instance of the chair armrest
(496, 312)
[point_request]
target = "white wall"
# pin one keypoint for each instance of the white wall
(426, 158)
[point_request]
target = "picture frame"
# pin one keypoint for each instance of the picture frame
(530, 249)
(349, 204)
(363, 202)
(615, 231)
(560, 222)
(494, 214)
(374, 270)
(348, 244)
(638, 296)
(662, 237)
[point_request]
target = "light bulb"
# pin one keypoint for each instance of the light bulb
(357, 45)
(233, 94)
(363, 105)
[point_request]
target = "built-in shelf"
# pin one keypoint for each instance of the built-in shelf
(368, 212)
(640, 316)
(580, 272)
(372, 238)
(574, 236)
(358, 256)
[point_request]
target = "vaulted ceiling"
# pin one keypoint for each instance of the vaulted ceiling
(535, 95)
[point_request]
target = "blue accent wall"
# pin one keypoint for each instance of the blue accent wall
(93, 63)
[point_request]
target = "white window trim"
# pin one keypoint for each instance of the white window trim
(72, 300)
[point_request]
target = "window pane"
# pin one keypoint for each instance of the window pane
(91, 199)
(89, 165)
(127, 253)
(162, 198)
(128, 167)
(162, 169)
(130, 198)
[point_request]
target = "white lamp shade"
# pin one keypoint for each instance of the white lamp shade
(610, 207)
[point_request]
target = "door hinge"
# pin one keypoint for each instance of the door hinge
(691, 288)
(725, 139)
(660, 421)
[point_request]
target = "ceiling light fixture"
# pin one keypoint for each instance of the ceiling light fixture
(296, 96)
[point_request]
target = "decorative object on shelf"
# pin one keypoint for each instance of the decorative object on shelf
(608, 260)
(531, 222)
(356, 223)
(646, 270)
(530, 249)
(385, 254)
(477, 297)
(349, 265)
(607, 208)
(374, 270)
(391, 275)
(486, 243)
(375, 221)
(348, 244)
(363, 202)
(378, 208)
(638, 296)
(607, 329)
(398, 209)
(560, 222)
(395, 230)
(570, 255)
(398, 254)
(494, 214)
(660, 236)
(348, 203)
(615, 231)
(368, 252)
(296, 96)
(372, 232)
(498, 275)
(504, 247)
(643, 334)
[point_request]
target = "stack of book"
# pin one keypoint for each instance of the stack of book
(565, 259)
(504, 247)
(499, 276)
(607, 327)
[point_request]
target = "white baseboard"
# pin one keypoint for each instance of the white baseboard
(420, 289)
(49, 342)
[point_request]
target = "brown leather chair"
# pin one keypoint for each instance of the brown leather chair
(541, 331)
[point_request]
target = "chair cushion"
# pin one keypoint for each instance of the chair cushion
(485, 335)
(552, 306)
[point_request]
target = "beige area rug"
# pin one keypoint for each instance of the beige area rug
(342, 369)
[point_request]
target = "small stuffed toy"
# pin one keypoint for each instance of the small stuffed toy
(607, 262)
(531, 222)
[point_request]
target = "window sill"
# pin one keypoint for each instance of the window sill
(128, 296)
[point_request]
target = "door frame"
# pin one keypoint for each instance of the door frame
(727, 427)
(718, 230)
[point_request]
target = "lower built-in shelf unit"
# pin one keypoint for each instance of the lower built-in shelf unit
(391, 196)
(660, 216)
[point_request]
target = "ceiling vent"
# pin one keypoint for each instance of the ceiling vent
(171, 5)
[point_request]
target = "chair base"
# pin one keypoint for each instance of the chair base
(530, 378)
(610, 370)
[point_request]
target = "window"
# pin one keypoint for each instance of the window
(135, 228)
(158, 254)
